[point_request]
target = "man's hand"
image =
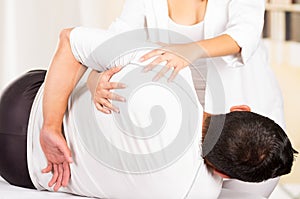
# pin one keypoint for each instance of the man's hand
(58, 156)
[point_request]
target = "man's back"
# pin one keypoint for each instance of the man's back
(149, 150)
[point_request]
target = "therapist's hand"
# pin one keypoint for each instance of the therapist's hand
(58, 156)
(176, 56)
(99, 85)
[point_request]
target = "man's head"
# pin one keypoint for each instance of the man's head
(250, 147)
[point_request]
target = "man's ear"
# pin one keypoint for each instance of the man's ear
(240, 108)
(222, 175)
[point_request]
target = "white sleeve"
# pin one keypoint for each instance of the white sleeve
(246, 20)
(90, 46)
(132, 17)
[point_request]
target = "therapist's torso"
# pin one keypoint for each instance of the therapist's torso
(244, 78)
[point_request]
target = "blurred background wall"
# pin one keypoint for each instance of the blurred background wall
(282, 37)
(29, 29)
(29, 32)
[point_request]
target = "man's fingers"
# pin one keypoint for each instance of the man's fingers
(59, 179)
(54, 177)
(63, 147)
(48, 168)
(66, 175)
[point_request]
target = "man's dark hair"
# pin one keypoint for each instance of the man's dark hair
(250, 148)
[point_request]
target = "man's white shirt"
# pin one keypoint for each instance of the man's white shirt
(109, 163)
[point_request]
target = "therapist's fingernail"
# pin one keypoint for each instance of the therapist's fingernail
(142, 59)
(121, 99)
(123, 85)
(146, 70)
(171, 79)
(155, 79)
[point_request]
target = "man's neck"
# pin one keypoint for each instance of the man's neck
(204, 125)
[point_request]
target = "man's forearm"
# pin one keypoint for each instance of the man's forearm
(63, 75)
(57, 91)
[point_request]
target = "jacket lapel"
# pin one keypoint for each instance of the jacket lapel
(209, 19)
(158, 20)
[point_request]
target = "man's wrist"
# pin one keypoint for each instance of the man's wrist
(51, 127)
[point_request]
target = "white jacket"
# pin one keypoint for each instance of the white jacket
(231, 80)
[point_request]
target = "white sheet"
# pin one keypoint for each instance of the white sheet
(12, 192)
(8, 191)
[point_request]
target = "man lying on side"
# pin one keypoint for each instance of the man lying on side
(151, 149)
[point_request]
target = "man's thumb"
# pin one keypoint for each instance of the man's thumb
(67, 152)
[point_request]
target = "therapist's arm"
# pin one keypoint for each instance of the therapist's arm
(219, 46)
(215, 47)
(179, 56)
(242, 35)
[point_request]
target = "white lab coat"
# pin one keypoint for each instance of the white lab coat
(239, 79)
(245, 78)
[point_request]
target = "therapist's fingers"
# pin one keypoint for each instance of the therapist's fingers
(102, 109)
(105, 94)
(107, 104)
(60, 177)
(161, 44)
(66, 175)
(156, 62)
(112, 85)
(109, 73)
(54, 177)
(151, 54)
(180, 65)
(164, 70)
(174, 74)
(114, 96)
